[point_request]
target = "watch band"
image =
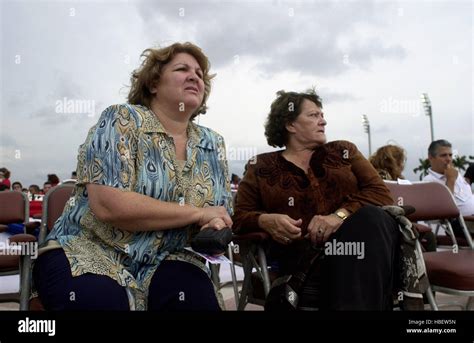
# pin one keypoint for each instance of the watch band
(341, 215)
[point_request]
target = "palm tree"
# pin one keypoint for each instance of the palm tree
(423, 167)
(460, 162)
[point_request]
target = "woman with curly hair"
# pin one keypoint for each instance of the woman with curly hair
(389, 161)
(319, 193)
(148, 178)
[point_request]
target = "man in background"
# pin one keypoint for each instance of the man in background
(440, 155)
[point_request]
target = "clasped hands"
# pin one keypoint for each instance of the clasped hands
(214, 216)
(285, 229)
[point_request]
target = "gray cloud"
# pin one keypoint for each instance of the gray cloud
(282, 36)
(89, 56)
(7, 140)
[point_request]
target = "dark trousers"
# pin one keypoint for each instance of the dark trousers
(175, 286)
(352, 283)
(358, 269)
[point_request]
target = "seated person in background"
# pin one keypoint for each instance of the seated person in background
(34, 192)
(234, 182)
(440, 155)
(4, 185)
(5, 177)
(318, 193)
(46, 187)
(36, 201)
(72, 180)
(389, 161)
(17, 186)
(148, 178)
(469, 175)
(53, 179)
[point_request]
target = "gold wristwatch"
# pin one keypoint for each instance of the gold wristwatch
(341, 215)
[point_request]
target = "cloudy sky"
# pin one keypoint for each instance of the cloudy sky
(63, 62)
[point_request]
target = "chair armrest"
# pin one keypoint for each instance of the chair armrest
(468, 218)
(421, 228)
(22, 237)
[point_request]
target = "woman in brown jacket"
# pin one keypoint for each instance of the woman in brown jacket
(315, 193)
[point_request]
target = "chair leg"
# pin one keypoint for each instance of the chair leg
(25, 282)
(246, 284)
(431, 299)
(470, 303)
(230, 248)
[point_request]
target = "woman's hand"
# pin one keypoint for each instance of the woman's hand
(321, 227)
(208, 214)
(216, 223)
(281, 227)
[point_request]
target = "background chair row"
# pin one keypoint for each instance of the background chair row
(452, 271)
(14, 208)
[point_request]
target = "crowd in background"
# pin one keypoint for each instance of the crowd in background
(34, 192)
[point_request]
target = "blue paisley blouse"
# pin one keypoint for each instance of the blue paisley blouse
(130, 150)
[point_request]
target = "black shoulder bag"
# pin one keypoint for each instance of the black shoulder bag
(286, 291)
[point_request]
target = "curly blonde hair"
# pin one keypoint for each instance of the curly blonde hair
(389, 160)
(148, 74)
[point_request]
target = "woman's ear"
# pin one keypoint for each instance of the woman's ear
(153, 87)
(290, 127)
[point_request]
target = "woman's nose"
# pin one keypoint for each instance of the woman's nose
(193, 76)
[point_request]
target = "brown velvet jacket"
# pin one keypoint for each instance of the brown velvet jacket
(339, 177)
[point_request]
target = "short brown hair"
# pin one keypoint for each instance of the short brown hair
(389, 158)
(284, 110)
(144, 77)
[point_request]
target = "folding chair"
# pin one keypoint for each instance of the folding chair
(53, 206)
(250, 250)
(450, 272)
(14, 209)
